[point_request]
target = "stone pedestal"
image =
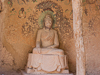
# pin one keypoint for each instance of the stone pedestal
(46, 63)
(24, 73)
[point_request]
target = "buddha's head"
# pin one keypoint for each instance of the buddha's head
(48, 21)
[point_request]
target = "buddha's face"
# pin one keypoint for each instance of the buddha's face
(48, 21)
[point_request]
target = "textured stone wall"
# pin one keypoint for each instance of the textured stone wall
(91, 29)
(20, 26)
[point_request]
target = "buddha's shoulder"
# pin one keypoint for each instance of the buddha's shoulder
(40, 30)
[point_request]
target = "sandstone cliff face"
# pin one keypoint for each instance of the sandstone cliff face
(19, 25)
(91, 27)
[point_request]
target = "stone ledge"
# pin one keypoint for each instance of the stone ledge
(31, 71)
(24, 73)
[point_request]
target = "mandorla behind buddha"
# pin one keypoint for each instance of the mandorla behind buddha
(46, 57)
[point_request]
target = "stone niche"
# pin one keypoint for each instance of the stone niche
(46, 58)
(21, 25)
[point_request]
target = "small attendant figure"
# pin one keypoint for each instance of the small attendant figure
(22, 13)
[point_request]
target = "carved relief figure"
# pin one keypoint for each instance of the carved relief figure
(46, 57)
(22, 13)
(0, 6)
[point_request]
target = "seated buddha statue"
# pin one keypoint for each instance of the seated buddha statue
(46, 57)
